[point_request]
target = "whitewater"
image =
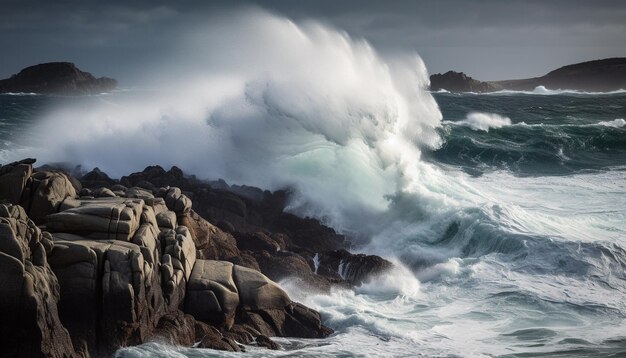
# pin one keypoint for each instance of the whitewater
(505, 214)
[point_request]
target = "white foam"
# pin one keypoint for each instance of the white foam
(542, 90)
(257, 99)
(484, 121)
(616, 123)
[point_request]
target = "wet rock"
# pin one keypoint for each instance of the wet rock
(265, 341)
(354, 268)
(176, 328)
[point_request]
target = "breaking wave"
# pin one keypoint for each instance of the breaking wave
(484, 121)
(509, 263)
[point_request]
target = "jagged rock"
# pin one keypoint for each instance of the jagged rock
(211, 293)
(101, 219)
(29, 293)
(354, 268)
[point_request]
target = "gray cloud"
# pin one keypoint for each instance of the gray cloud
(488, 39)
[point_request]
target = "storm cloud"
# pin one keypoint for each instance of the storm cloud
(486, 39)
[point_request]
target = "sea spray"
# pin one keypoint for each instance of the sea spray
(268, 103)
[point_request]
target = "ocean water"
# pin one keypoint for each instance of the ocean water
(505, 213)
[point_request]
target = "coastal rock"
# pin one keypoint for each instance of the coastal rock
(179, 257)
(95, 179)
(108, 298)
(294, 320)
(459, 82)
(257, 292)
(46, 192)
(211, 242)
(13, 179)
(102, 219)
(62, 78)
(212, 295)
(354, 268)
(30, 325)
(177, 329)
(175, 200)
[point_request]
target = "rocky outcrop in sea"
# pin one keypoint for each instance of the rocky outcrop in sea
(58, 78)
(92, 264)
(604, 75)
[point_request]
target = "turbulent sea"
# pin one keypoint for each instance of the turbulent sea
(525, 256)
(505, 213)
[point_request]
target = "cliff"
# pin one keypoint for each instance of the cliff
(62, 78)
(593, 76)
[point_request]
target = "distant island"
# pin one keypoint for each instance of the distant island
(62, 78)
(592, 76)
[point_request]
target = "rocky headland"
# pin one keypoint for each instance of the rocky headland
(58, 78)
(89, 264)
(593, 76)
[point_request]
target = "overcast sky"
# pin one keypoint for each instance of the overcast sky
(487, 39)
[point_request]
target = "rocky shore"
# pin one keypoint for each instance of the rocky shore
(89, 264)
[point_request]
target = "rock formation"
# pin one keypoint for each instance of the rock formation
(459, 82)
(90, 267)
(62, 78)
(593, 76)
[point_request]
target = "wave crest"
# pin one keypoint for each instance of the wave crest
(480, 121)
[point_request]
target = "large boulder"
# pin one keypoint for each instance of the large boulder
(108, 299)
(29, 293)
(13, 179)
(212, 295)
(257, 292)
(47, 191)
(101, 219)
